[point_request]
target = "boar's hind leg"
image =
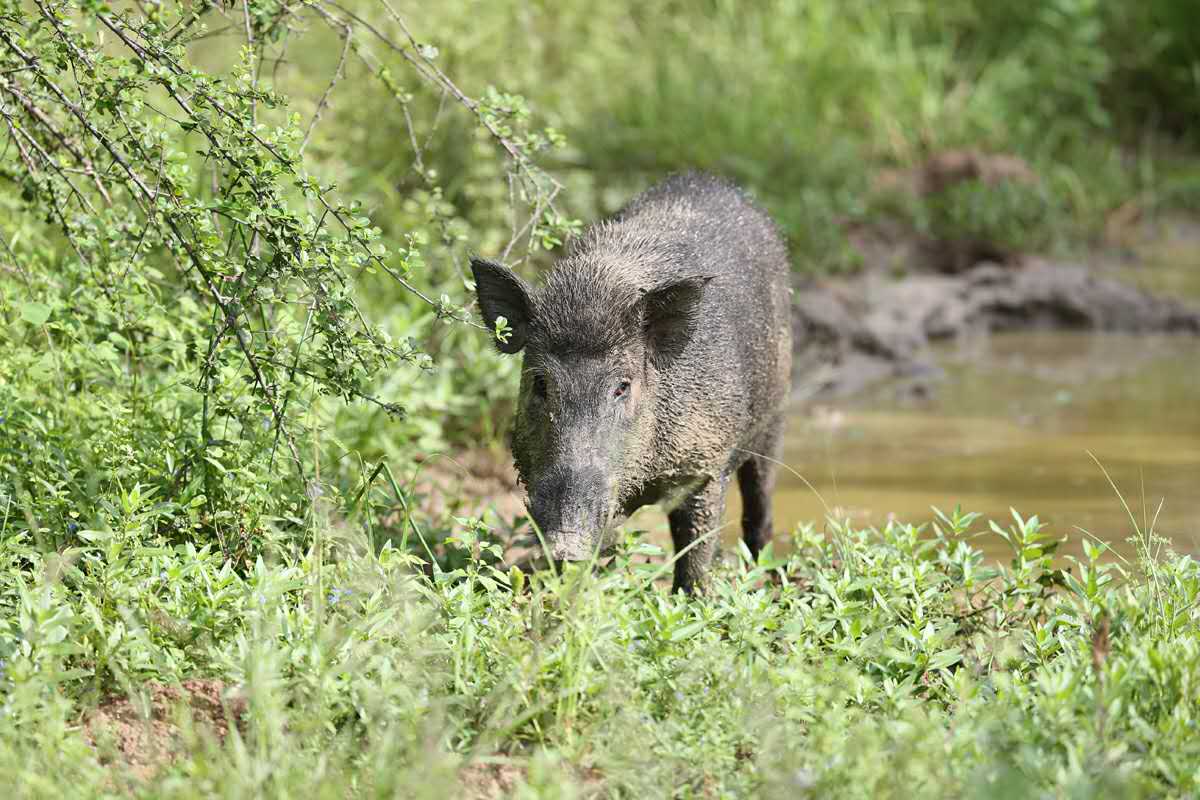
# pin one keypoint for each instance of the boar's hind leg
(756, 482)
(697, 517)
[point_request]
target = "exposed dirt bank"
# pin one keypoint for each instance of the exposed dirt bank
(853, 332)
(914, 290)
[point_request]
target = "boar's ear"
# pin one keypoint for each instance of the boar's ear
(671, 315)
(502, 294)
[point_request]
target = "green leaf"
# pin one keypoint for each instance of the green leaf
(35, 313)
(945, 658)
(686, 631)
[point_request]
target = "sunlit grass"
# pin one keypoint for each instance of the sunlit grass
(860, 665)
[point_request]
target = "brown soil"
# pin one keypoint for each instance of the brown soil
(490, 781)
(474, 483)
(495, 781)
(469, 484)
(143, 735)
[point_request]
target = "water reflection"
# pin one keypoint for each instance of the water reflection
(1012, 424)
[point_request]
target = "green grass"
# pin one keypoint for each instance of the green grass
(863, 664)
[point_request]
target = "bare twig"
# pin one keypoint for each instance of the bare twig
(323, 103)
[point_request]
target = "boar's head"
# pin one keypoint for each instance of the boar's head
(598, 348)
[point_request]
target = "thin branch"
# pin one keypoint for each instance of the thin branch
(48, 124)
(250, 42)
(323, 103)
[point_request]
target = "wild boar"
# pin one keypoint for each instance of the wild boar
(657, 364)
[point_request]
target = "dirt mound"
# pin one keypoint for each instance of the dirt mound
(949, 167)
(489, 781)
(472, 483)
(480, 781)
(143, 735)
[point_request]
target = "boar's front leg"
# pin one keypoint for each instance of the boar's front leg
(697, 517)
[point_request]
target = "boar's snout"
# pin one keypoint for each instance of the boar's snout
(568, 545)
(572, 508)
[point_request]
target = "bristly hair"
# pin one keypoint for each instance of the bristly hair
(590, 300)
(589, 303)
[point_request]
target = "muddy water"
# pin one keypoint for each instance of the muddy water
(1011, 425)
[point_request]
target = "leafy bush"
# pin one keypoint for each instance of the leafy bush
(183, 292)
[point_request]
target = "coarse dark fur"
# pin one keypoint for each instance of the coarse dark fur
(657, 364)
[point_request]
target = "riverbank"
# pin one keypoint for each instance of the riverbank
(915, 291)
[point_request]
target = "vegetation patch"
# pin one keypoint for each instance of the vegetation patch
(861, 664)
(234, 351)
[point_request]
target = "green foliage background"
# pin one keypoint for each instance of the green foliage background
(233, 311)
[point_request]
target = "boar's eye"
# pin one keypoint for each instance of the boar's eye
(539, 387)
(622, 389)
